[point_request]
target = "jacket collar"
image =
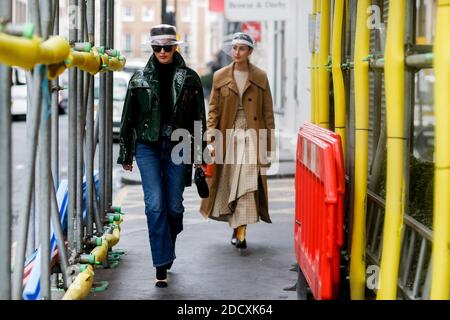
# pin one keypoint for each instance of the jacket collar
(178, 79)
(254, 77)
(151, 64)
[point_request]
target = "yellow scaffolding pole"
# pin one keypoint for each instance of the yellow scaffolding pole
(362, 47)
(440, 281)
(338, 78)
(313, 72)
(395, 180)
(323, 87)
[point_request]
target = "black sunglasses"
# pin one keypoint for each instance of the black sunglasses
(167, 48)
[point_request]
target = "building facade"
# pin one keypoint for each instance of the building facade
(136, 17)
(19, 11)
(283, 53)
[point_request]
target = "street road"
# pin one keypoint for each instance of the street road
(19, 143)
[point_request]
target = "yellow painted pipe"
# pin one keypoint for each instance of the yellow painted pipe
(323, 87)
(101, 252)
(26, 53)
(86, 61)
(104, 58)
(440, 281)
(395, 181)
(116, 234)
(54, 50)
(362, 47)
(116, 63)
(338, 77)
(19, 51)
(82, 285)
(313, 72)
(112, 63)
(316, 64)
(55, 70)
(113, 238)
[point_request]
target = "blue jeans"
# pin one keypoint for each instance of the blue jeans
(163, 184)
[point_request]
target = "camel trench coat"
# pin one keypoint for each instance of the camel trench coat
(223, 107)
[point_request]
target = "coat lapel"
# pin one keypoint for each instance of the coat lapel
(178, 83)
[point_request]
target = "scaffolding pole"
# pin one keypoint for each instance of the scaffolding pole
(5, 169)
(72, 163)
(102, 113)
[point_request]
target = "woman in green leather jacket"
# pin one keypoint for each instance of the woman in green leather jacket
(164, 97)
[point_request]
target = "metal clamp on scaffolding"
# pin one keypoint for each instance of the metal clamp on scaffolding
(111, 60)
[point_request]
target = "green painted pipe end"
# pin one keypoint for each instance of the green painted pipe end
(87, 47)
(119, 209)
(98, 241)
(114, 217)
(28, 31)
(101, 50)
(83, 267)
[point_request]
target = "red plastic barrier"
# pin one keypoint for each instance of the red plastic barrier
(320, 190)
(336, 141)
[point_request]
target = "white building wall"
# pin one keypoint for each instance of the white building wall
(299, 77)
(291, 105)
(284, 55)
(194, 34)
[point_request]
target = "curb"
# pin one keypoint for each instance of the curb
(281, 176)
(130, 181)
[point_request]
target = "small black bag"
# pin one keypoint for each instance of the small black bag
(200, 181)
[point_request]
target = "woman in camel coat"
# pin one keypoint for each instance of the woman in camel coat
(240, 100)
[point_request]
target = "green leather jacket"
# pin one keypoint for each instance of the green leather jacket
(141, 115)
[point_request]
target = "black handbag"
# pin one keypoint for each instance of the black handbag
(200, 182)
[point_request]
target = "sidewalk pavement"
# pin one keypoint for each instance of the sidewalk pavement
(207, 265)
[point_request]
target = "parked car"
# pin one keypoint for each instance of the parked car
(134, 65)
(19, 93)
(121, 80)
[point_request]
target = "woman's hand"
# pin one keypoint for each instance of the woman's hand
(211, 150)
(127, 167)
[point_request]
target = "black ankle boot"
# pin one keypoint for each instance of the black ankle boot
(241, 244)
(161, 277)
